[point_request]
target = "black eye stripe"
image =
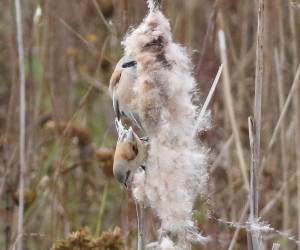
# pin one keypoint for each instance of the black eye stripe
(129, 64)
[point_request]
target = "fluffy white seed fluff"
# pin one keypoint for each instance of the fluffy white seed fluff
(138, 182)
(167, 244)
(176, 168)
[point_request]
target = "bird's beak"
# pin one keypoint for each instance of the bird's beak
(126, 178)
(121, 170)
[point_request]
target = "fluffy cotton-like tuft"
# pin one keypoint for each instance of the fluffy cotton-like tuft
(167, 244)
(176, 167)
(138, 182)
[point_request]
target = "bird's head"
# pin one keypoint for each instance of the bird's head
(126, 64)
(130, 154)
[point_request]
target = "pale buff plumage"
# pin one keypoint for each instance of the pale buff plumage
(121, 90)
(130, 154)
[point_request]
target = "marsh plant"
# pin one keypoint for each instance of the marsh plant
(221, 164)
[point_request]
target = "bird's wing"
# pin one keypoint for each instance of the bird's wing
(134, 119)
(116, 106)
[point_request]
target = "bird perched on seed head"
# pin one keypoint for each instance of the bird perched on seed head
(121, 89)
(130, 154)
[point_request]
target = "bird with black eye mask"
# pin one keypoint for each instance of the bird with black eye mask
(130, 154)
(121, 90)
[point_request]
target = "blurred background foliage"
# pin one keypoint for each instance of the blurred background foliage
(71, 48)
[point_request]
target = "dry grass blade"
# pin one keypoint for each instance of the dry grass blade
(229, 105)
(297, 145)
(281, 117)
(85, 41)
(296, 102)
(207, 39)
(208, 98)
(96, 83)
(286, 199)
(255, 127)
(221, 154)
(101, 15)
(253, 187)
(266, 209)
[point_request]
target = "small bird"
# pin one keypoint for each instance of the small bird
(130, 154)
(121, 89)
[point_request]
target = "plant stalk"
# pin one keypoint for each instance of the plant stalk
(255, 126)
(22, 121)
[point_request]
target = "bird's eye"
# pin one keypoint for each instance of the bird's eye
(135, 149)
(129, 64)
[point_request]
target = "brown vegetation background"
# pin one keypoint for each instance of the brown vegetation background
(70, 53)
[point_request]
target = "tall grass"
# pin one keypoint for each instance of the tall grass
(69, 55)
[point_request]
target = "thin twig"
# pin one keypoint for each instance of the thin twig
(22, 120)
